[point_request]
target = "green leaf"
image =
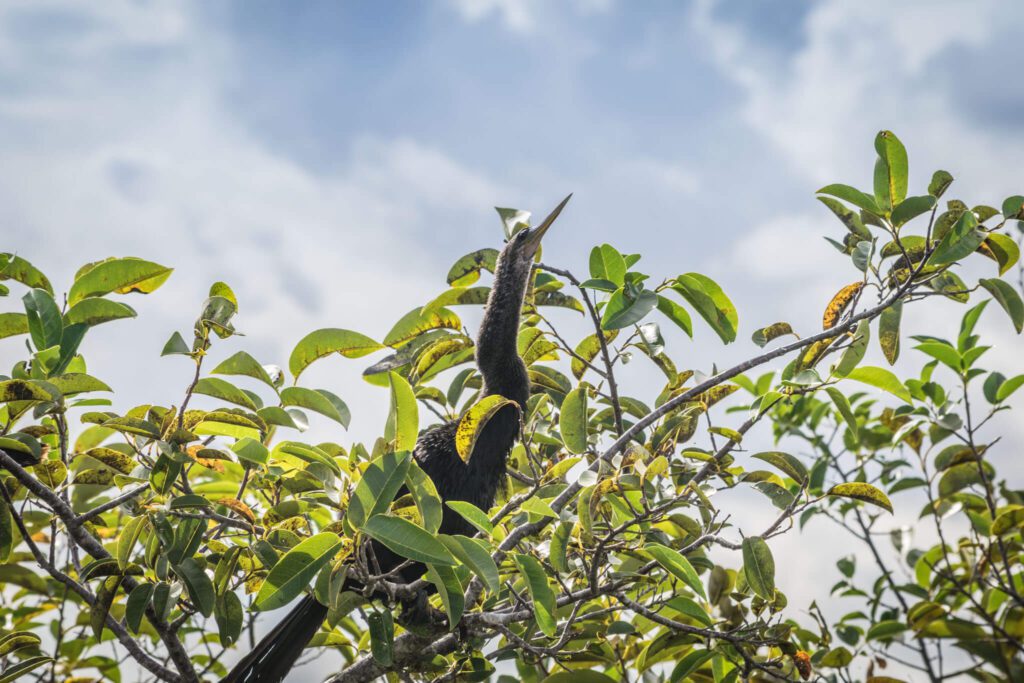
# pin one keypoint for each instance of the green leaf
(12, 324)
(942, 352)
(198, 583)
(853, 196)
(293, 572)
(889, 331)
(1008, 298)
(324, 342)
(677, 565)
(880, 378)
(540, 592)
(224, 390)
(1004, 249)
(135, 607)
(378, 486)
(319, 401)
(425, 495)
(474, 554)
(623, 311)
(862, 492)
(222, 423)
(250, 451)
(891, 170)
(786, 463)
(408, 540)
(16, 670)
(676, 314)
(1007, 388)
(7, 533)
(606, 263)
(961, 241)
(101, 608)
(307, 453)
(884, 630)
(118, 275)
(403, 419)
(578, 676)
(572, 421)
(176, 346)
(382, 637)
(229, 614)
(97, 311)
(417, 321)
(472, 514)
(851, 219)
(854, 353)
(843, 406)
(13, 267)
(910, 208)
(242, 363)
(1013, 207)
(127, 539)
(473, 422)
(450, 590)
(959, 477)
(711, 303)
(77, 383)
(44, 320)
(941, 180)
(759, 567)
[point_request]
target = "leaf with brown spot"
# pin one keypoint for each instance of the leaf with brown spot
(839, 303)
(239, 507)
(467, 269)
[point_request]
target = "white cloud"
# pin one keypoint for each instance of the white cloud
(148, 161)
(865, 66)
(517, 15)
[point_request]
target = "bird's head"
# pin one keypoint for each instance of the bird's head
(522, 246)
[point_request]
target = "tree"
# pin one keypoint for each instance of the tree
(152, 538)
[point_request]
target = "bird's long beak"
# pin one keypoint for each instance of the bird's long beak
(532, 241)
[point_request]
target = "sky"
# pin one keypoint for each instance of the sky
(330, 160)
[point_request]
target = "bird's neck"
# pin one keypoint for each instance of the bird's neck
(497, 355)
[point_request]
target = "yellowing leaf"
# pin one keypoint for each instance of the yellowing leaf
(120, 276)
(839, 304)
(327, 341)
(475, 420)
(863, 492)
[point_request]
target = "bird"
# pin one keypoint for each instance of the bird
(475, 480)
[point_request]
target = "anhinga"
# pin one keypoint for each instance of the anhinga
(475, 480)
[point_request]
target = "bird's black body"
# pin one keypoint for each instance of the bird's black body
(476, 481)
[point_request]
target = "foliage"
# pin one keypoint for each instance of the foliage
(168, 529)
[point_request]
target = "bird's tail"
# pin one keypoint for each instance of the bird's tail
(274, 656)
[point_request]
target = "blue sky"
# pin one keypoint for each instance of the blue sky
(301, 151)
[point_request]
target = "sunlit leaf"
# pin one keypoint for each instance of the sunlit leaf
(408, 540)
(862, 492)
(97, 311)
(293, 572)
(474, 421)
(327, 341)
(120, 276)
(880, 378)
(710, 302)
